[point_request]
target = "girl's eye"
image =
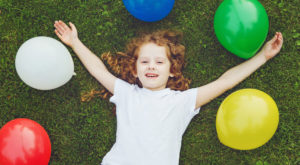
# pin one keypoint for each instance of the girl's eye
(159, 62)
(144, 61)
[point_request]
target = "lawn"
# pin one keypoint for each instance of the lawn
(83, 132)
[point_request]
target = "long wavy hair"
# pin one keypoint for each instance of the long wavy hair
(123, 64)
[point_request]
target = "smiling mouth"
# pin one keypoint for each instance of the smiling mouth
(151, 76)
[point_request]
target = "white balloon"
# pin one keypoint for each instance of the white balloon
(44, 63)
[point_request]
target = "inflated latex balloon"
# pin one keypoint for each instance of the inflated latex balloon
(24, 142)
(149, 10)
(44, 63)
(241, 26)
(247, 119)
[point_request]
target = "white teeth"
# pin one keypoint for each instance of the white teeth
(151, 76)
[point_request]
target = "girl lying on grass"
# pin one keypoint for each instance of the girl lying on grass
(154, 104)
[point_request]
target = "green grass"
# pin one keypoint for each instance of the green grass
(82, 133)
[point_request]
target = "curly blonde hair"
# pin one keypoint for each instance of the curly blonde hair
(123, 64)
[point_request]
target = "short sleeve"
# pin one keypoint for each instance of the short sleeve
(121, 90)
(188, 102)
(190, 97)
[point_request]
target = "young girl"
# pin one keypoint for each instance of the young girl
(154, 105)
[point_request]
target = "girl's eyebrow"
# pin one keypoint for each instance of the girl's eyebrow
(143, 57)
(160, 58)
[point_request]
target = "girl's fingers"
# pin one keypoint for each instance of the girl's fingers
(72, 26)
(58, 34)
(277, 39)
(63, 25)
(59, 27)
(280, 39)
(280, 36)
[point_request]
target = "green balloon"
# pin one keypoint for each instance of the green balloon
(241, 26)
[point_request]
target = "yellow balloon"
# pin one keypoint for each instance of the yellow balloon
(247, 119)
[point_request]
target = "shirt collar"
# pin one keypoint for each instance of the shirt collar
(156, 93)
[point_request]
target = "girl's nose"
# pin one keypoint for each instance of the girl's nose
(151, 66)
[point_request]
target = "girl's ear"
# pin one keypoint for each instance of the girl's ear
(134, 74)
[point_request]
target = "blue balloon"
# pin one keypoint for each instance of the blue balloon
(149, 10)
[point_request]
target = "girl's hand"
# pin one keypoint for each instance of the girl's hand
(272, 47)
(66, 34)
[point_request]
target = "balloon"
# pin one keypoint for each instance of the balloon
(241, 26)
(24, 142)
(247, 119)
(44, 63)
(149, 10)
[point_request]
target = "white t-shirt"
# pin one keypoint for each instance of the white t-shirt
(150, 124)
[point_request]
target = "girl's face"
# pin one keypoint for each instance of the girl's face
(153, 66)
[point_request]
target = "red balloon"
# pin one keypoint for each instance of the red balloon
(24, 142)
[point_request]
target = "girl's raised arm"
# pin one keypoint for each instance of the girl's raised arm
(92, 63)
(235, 75)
